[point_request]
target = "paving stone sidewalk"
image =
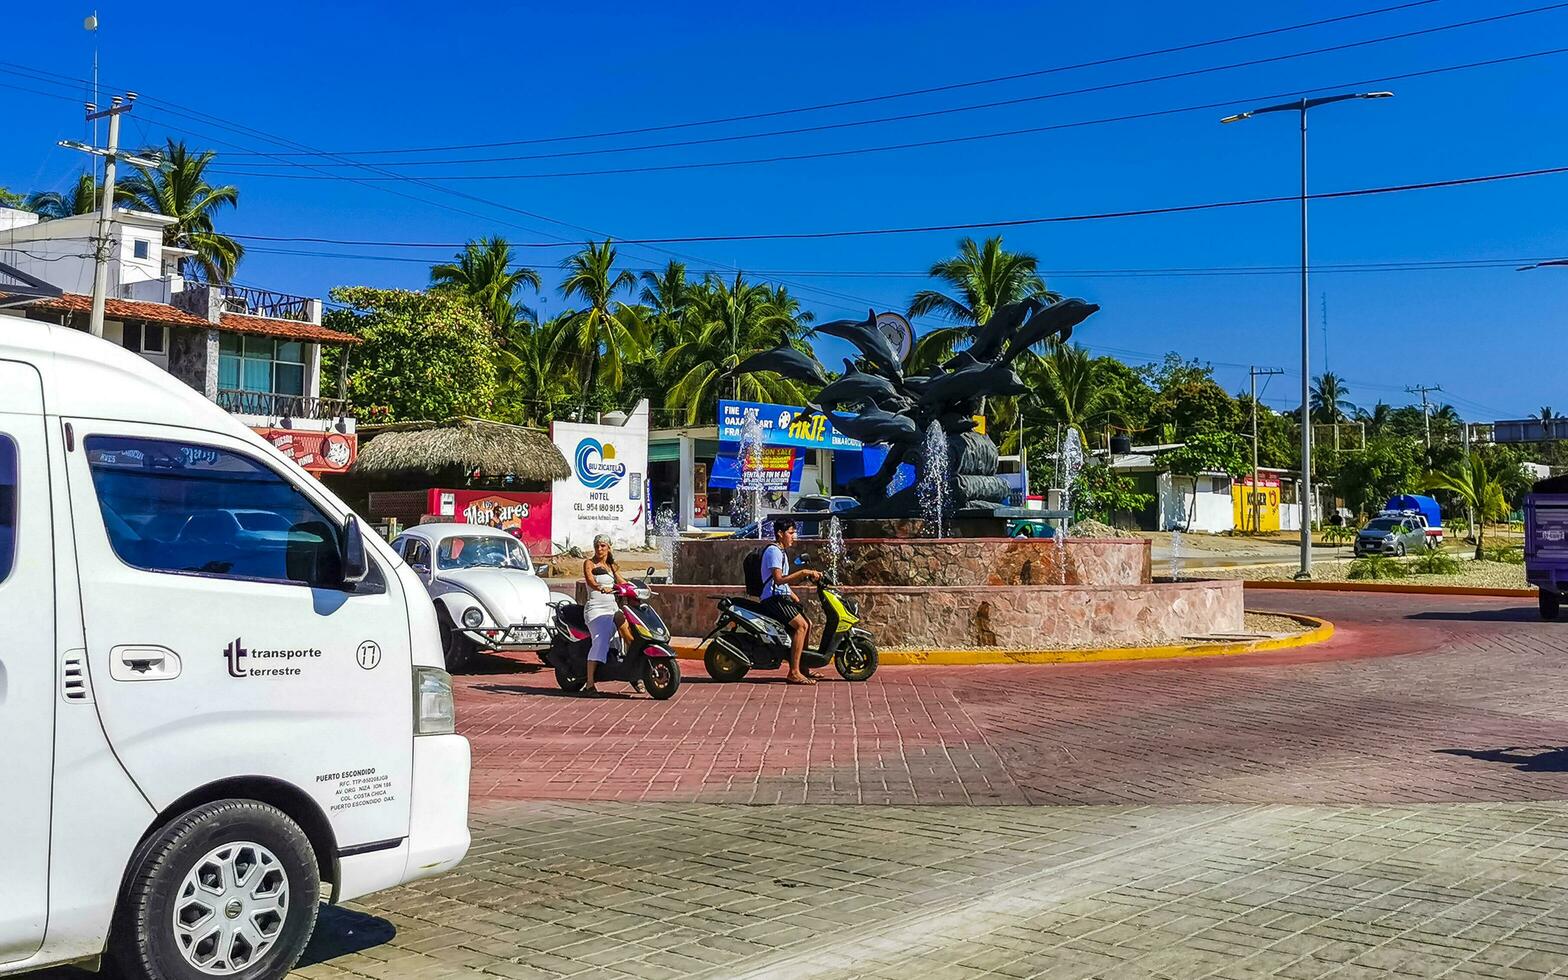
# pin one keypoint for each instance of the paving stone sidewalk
(680, 890)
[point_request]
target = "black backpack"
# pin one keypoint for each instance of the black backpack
(753, 568)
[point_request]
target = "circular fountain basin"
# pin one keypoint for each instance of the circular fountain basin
(956, 593)
(945, 562)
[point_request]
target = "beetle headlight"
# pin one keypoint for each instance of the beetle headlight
(473, 616)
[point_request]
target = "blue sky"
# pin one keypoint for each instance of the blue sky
(359, 75)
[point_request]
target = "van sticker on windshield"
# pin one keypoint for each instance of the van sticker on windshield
(277, 663)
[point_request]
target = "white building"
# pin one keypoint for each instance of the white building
(254, 352)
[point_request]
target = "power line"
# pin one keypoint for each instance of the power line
(932, 113)
(1281, 270)
(977, 225)
(949, 87)
(919, 144)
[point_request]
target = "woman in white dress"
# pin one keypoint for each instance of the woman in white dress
(601, 614)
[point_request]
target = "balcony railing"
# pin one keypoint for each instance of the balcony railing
(249, 301)
(280, 406)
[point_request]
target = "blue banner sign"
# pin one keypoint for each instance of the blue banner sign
(779, 472)
(781, 425)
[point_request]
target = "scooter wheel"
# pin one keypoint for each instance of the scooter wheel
(568, 682)
(723, 665)
(661, 677)
(856, 660)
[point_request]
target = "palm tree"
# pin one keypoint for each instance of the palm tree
(1473, 483)
(1376, 419)
(83, 199)
(982, 277)
(534, 382)
(727, 323)
(178, 189)
(665, 293)
(1328, 398)
(484, 273)
(1072, 388)
(1546, 414)
(605, 336)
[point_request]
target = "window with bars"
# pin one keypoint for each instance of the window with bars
(261, 364)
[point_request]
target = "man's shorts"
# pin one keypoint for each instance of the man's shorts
(782, 608)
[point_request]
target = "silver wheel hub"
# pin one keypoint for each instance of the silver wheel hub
(231, 908)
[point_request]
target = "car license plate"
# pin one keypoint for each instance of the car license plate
(528, 634)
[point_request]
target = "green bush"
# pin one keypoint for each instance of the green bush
(1435, 563)
(1374, 567)
(1508, 554)
(1338, 534)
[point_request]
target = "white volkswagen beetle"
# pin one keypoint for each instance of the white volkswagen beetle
(487, 592)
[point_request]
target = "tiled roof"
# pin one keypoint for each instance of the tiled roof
(148, 312)
(123, 309)
(287, 329)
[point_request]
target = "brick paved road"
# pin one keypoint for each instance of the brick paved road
(1388, 804)
(1348, 722)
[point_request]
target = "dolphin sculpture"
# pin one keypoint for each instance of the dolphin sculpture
(787, 362)
(996, 378)
(878, 426)
(856, 387)
(993, 333)
(865, 336)
(1058, 318)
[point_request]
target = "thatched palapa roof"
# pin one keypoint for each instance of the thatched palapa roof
(464, 442)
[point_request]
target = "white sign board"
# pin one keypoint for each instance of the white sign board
(604, 494)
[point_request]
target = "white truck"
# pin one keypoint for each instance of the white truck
(209, 722)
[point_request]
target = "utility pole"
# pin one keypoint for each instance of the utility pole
(1426, 416)
(1469, 511)
(1252, 497)
(118, 105)
(1302, 107)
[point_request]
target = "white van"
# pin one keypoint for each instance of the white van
(208, 722)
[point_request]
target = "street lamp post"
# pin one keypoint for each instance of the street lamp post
(1301, 107)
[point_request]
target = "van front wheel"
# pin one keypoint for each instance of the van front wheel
(228, 889)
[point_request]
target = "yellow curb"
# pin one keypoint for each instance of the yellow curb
(1405, 587)
(1321, 630)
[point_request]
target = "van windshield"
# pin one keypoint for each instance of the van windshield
(481, 551)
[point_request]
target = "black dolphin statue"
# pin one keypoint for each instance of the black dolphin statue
(787, 362)
(865, 336)
(980, 379)
(877, 426)
(856, 388)
(990, 336)
(1058, 318)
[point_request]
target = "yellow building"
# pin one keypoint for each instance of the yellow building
(1267, 501)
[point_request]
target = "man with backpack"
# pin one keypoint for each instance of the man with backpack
(777, 599)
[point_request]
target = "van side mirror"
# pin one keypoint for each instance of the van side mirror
(355, 564)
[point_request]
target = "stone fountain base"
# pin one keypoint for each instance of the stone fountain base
(977, 592)
(1008, 617)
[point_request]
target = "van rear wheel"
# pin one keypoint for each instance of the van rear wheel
(228, 889)
(1551, 603)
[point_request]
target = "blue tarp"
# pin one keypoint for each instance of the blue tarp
(1425, 506)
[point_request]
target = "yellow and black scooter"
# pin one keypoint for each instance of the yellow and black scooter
(746, 638)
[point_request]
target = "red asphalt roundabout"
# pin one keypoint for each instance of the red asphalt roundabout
(1414, 699)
